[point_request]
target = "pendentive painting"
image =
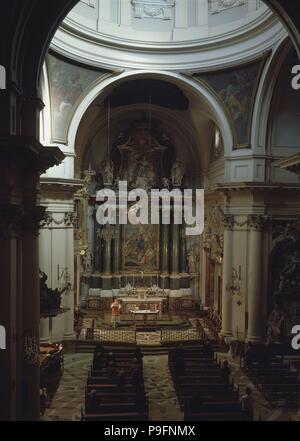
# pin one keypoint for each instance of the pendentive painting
(237, 89)
(68, 82)
(141, 247)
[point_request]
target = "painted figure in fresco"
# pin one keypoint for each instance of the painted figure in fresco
(177, 173)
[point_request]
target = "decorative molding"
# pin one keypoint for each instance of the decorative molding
(69, 220)
(90, 3)
(257, 222)
(80, 43)
(16, 220)
(149, 9)
(228, 221)
(217, 6)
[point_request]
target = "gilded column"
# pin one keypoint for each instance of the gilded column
(227, 273)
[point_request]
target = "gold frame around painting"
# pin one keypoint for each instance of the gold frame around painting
(144, 268)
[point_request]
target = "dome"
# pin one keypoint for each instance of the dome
(123, 33)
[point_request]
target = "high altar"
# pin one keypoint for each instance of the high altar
(139, 264)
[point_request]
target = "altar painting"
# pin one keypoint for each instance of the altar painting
(141, 247)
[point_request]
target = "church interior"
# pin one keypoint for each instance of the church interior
(142, 322)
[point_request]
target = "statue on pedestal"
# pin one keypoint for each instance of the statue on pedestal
(87, 262)
(177, 173)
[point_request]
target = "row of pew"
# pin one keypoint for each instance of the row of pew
(203, 392)
(115, 386)
(278, 383)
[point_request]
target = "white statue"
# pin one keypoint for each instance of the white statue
(177, 173)
(87, 261)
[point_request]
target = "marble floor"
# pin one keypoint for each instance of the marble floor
(162, 398)
(69, 398)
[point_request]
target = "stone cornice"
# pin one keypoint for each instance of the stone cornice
(292, 163)
(255, 186)
(23, 151)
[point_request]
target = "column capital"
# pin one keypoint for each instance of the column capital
(257, 222)
(16, 220)
(228, 221)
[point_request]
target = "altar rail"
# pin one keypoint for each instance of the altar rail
(180, 335)
(111, 335)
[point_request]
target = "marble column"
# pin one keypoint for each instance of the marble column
(107, 236)
(97, 245)
(175, 277)
(116, 250)
(227, 277)
(69, 332)
(107, 253)
(117, 257)
(175, 249)
(182, 250)
(255, 224)
(165, 229)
